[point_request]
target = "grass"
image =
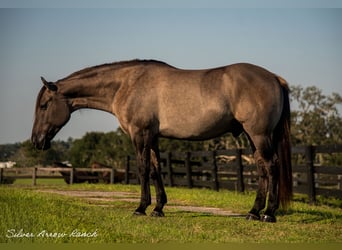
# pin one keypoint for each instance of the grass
(24, 208)
(54, 182)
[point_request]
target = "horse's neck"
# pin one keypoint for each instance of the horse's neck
(92, 92)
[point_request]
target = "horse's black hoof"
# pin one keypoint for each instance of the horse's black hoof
(157, 214)
(138, 213)
(251, 216)
(268, 218)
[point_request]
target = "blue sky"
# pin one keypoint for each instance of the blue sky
(302, 45)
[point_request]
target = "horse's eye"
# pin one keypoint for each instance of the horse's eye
(43, 106)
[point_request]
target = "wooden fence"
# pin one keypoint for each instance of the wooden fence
(70, 175)
(235, 170)
(221, 169)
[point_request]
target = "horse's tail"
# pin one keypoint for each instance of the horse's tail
(282, 143)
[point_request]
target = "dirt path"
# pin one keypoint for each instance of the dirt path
(97, 197)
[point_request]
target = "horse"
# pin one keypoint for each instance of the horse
(78, 177)
(7, 164)
(105, 176)
(119, 175)
(153, 99)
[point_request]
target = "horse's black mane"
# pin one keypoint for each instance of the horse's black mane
(116, 65)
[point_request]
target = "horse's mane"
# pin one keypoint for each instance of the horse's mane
(89, 71)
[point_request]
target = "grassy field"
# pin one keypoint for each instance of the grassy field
(30, 214)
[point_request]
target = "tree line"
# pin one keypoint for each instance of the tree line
(315, 120)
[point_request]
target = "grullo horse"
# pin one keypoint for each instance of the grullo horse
(152, 99)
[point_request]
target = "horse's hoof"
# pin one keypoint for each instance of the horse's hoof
(138, 213)
(251, 216)
(157, 214)
(268, 218)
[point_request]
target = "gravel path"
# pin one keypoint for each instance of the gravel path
(101, 196)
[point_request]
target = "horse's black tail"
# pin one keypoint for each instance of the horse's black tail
(282, 143)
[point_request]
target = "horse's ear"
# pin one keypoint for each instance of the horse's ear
(49, 85)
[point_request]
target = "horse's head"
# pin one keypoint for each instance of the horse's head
(51, 114)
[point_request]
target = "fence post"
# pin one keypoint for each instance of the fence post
(239, 168)
(72, 172)
(215, 178)
(34, 176)
(188, 169)
(339, 182)
(1, 175)
(309, 157)
(112, 175)
(169, 169)
(127, 169)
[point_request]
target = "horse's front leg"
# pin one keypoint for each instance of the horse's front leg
(143, 163)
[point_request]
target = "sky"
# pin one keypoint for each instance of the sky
(303, 45)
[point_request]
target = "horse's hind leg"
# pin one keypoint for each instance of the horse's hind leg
(260, 200)
(268, 179)
(157, 180)
(273, 199)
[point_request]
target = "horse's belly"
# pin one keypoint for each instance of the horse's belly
(195, 126)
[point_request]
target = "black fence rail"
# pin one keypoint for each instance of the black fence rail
(235, 170)
(312, 177)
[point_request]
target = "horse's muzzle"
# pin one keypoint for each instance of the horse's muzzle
(40, 142)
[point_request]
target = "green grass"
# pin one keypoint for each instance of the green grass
(23, 207)
(39, 182)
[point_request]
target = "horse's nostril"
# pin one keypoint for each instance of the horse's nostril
(38, 140)
(34, 140)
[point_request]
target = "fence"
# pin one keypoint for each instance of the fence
(234, 170)
(70, 175)
(313, 178)
(220, 169)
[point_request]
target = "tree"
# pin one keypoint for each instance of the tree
(83, 150)
(108, 148)
(114, 147)
(27, 156)
(315, 117)
(8, 150)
